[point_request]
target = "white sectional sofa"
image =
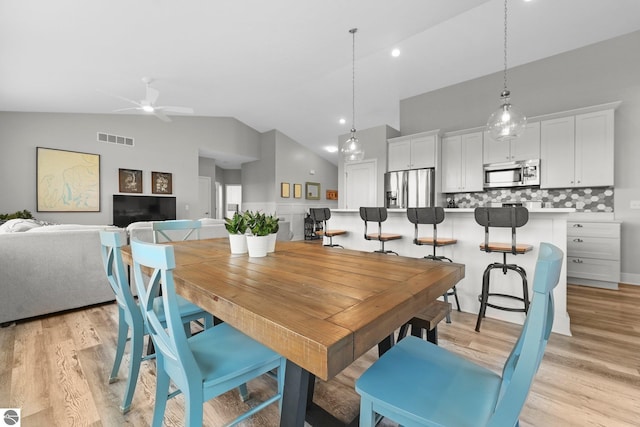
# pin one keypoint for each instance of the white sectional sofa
(46, 269)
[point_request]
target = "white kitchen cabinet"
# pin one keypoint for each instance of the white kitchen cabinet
(577, 151)
(412, 152)
(462, 163)
(527, 147)
(593, 253)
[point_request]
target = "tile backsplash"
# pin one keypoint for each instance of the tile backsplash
(596, 199)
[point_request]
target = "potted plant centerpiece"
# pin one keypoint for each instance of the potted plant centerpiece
(237, 227)
(258, 239)
(272, 224)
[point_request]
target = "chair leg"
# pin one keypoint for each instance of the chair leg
(193, 401)
(162, 392)
(446, 299)
(484, 296)
(244, 393)
(137, 344)
(367, 415)
(455, 295)
(123, 330)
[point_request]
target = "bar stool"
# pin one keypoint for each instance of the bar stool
(433, 216)
(378, 215)
(507, 217)
(323, 215)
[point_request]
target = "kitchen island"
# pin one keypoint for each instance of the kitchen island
(545, 225)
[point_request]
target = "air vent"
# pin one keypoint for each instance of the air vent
(115, 139)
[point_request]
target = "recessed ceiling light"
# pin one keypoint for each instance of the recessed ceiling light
(395, 52)
(343, 121)
(331, 148)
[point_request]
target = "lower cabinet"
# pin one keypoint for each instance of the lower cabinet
(593, 253)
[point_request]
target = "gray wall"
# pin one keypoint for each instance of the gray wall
(596, 74)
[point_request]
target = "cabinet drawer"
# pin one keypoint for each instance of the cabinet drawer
(593, 229)
(593, 247)
(594, 269)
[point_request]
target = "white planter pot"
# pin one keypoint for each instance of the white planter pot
(238, 243)
(257, 246)
(272, 242)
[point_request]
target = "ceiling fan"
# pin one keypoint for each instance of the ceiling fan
(148, 104)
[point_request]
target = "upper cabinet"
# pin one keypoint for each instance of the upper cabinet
(412, 152)
(577, 150)
(462, 162)
(527, 147)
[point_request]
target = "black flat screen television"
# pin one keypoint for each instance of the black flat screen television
(128, 209)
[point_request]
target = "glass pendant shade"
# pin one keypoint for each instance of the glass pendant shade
(506, 122)
(352, 150)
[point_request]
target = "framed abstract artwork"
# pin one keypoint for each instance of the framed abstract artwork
(297, 191)
(161, 183)
(130, 180)
(67, 181)
(312, 190)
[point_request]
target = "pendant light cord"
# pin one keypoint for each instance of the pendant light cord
(353, 79)
(505, 45)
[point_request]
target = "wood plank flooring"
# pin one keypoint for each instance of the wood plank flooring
(56, 369)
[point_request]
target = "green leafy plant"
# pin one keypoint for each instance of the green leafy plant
(258, 223)
(272, 223)
(237, 224)
(25, 214)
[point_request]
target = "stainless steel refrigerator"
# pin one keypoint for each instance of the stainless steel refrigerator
(413, 188)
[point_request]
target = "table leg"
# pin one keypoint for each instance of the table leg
(297, 402)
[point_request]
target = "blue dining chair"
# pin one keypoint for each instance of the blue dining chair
(205, 365)
(161, 227)
(417, 383)
(130, 316)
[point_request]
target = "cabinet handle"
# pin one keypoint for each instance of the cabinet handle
(577, 261)
(578, 240)
(577, 225)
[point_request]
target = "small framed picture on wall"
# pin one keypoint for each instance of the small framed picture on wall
(161, 183)
(130, 180)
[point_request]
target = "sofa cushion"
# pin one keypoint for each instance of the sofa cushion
(19, 225)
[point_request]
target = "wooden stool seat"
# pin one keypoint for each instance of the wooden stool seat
(521, 248)
(332, 233)
(427, 320)
(383, 236)
(440, 241)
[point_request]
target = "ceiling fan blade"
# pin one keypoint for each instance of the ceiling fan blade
(126, 109)
(162, 116)
(172, 109)
(120, 97)
(152, 95)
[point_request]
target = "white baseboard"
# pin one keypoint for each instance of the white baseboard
(630, 279)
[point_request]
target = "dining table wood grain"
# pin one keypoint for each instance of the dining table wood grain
(319, 307)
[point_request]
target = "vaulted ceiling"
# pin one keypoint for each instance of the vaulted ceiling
(283, 64)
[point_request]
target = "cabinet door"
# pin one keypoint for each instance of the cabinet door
(423, 152)
(557, 152)
(495, 151)
(527, 147)
(451, 164)
(399, 155)
(471, 167)
(594, 149)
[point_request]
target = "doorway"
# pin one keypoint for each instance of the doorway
(360, 184)
(204, 197)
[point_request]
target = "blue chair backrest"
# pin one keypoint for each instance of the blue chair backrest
(111, 242)
(159, 228)
(157, 263)
(524, 360)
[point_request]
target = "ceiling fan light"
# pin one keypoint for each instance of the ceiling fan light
(148, 108)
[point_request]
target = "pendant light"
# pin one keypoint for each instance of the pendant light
(352, 148)
(506, 122)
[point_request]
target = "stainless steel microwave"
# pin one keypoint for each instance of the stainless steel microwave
(523, 173)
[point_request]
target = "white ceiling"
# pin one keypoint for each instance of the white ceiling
(279, 64)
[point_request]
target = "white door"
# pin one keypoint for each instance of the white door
(219, 201)
(360, 184)
(233, 198)
(204, 197)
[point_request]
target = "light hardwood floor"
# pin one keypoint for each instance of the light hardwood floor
(56, 369)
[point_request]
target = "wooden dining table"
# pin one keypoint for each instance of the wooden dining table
(321, 308)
